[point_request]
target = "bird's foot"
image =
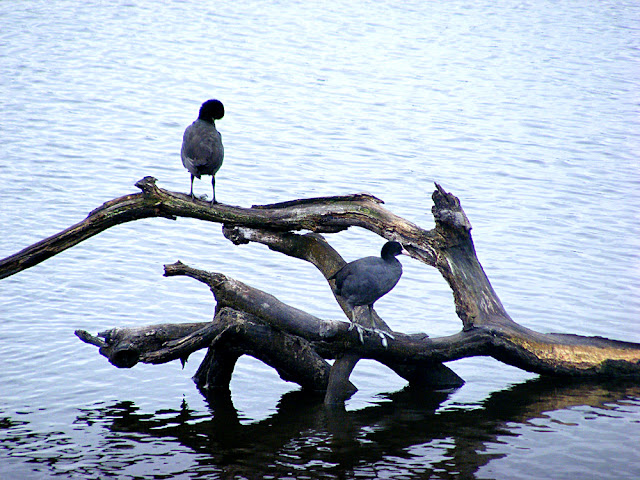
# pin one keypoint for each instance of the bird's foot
(202, 198)
(360, 329)
(383, 336)
(372, 331)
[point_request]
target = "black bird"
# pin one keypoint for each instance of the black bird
(364, 281)
(202, 151)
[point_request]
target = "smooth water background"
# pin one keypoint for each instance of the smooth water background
(527, 111)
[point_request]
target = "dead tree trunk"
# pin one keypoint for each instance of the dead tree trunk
(297, 344)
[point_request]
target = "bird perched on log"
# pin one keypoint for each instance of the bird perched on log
(202, 151)
(364, 281)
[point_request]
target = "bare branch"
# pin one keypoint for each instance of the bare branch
(536, 352)
(258, 324)
(235, 294)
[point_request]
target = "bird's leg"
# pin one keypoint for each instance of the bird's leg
(356, 325)
(192, 187)
(213, 185)
(371, 322)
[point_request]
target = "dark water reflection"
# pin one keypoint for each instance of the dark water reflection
(406, 435)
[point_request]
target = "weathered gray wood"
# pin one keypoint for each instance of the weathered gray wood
(125, 347)
(536, 352)
(235, 294)
(328, 214)
(338, 390)
(487, 329)
(230, 335)
(311, 247)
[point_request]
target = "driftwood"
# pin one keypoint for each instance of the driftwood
(297, 344)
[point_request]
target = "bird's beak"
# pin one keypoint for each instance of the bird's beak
(404, 252)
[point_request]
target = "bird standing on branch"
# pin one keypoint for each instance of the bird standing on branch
(364, 281)
(202, 151)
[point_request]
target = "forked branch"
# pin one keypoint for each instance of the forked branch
(246, 316)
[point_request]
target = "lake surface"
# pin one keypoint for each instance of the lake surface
(527, 111)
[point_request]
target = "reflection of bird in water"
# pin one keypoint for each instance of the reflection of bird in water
(202, 152)
(364, 281)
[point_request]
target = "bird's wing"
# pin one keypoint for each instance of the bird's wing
(201, 144)
(348, 273)
(339, 277)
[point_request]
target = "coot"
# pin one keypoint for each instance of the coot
(202, 152)
(364, 281)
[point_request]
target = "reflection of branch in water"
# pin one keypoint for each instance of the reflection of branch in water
(404, 433)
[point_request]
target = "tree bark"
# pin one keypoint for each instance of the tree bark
(337, 390)
(253, 322)
(559, 354)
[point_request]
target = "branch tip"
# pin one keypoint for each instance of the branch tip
(447, 210)
(173, 268)
(86, 337)
(147, 184)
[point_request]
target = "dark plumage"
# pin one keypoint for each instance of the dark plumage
(364, 281)
(202, 151)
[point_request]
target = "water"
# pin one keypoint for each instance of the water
(528, 112)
